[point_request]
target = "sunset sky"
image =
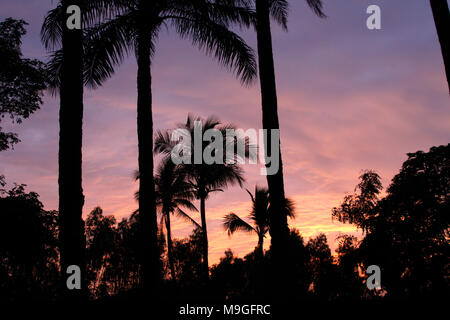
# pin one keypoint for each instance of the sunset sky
(349, 99)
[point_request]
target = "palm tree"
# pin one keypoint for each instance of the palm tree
(206, 178)
(259, 215)
(136, 27)
(67, 69)
(278, 10)
(173, 193)
(442, 20)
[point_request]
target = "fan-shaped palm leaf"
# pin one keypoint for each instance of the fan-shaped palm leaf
(233, 223)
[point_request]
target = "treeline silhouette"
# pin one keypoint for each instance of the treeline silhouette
(406, 233)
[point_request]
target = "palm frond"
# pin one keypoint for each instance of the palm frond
(232, 223)
(186, 204)
(279, 10)
(97, 11)
(227, 12)
(163, 142)
(317, 7)
(251, 195)
(289, 208)
(93, 13)
(260, 209)
(180, 213)
(106, 46)
(51, 30)
(217, 40)
(53, 68)
(219, 176)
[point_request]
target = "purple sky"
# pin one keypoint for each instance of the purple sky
(349, 99)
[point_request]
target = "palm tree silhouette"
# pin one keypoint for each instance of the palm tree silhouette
(136, 27)
(278, 10)
(207, 178)
(67, 71)
(173, 193)
(441, 17)
(259, 215)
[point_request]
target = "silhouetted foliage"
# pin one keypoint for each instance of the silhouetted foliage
(322, 269)
(22, 81)
(28, 247)
(113, 254)
(173, 194)
(359, 209)
(349, 281)
(188, 259)
(204, 178)
(101, 236)
(408, 230)
(229, 277)
(406, 234)
(125, 260)
(259, 214)
(297, 267)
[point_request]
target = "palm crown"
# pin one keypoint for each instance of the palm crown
(206, 178)
(112, 28)
(173, 192)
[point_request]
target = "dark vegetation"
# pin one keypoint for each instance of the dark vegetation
(405, 230)
(406, 233)
(22, 81)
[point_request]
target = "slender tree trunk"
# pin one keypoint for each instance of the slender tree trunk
(442, 20)
(147, 209)
(205, 237)
(260, 248)
(169, 247)
(71, 198)
(278, 221)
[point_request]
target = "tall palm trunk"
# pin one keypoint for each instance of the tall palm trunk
(169, 247)
(71, 199)
(260, 248)
(279, 230)
(204, 236)
(278, 220)
(442, 20)
(147, 208)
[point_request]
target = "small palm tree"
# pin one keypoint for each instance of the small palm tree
(259, 215)
(173, 193)
(207, 178)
